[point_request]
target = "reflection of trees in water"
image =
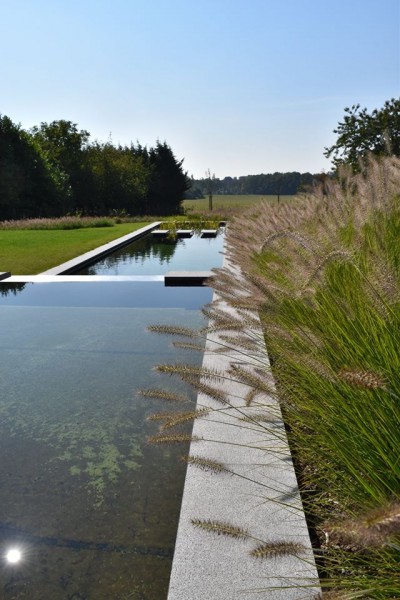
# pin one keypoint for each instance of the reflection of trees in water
(141, 250)
(8, 289)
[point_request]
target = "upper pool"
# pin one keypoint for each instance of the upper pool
(150, 256)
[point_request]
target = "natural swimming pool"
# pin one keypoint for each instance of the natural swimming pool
(91, 505)
(150, 256)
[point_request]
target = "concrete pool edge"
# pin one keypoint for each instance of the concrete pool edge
(211, 567)
(88, 257)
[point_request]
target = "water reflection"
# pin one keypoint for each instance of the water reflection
(149, 256)
(134, 255)
(7, 289)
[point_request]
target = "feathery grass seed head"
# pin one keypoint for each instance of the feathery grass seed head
(363, 379)
(205, 464)
(172, 438)
(159, 417)
(188, 346)
(207, 390)
(174, 330)
(272, 549)
(190, 371)
(371, 530)
(221, 528)
(162, 395)
(181, 418)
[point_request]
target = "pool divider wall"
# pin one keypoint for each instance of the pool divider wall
(267, 503)
(86, 259)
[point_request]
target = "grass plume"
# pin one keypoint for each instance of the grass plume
(205, 464)
(163, 395)
(220, 528)
(374, 529)
(367, 380)
(184, 417)
(188, 346)
(172, 438)
(207, 390)
(159, 417)
(174, 330)
(258, 383)
(190, 371)
(274, 549)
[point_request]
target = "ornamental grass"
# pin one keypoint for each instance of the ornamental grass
(63, 223)
(323, 274)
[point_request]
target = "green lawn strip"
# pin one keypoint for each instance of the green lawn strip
(28, 252)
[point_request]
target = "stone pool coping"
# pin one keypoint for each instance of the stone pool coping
(215, 567)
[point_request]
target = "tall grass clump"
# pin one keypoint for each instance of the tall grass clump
(323, 274)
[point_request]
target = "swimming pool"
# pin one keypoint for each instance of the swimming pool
(91, 505)
(150, 256)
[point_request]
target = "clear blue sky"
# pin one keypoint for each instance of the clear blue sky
(237, 86)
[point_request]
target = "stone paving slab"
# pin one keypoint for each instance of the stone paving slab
(262, 497)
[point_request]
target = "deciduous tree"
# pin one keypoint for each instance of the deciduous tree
(361, 133)
(64, 145)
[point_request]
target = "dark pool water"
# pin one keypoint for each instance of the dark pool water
(92, 506)
(149, 256)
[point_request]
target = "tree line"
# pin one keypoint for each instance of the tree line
(53, 169)
(285, 184)
(360, 134)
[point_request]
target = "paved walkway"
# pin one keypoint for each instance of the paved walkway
(263, 498)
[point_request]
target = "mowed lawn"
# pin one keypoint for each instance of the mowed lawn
(221, 202)
(28, 252)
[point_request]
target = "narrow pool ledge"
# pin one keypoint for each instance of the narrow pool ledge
(264, 499)
(85, 259)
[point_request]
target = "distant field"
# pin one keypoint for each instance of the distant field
(236, 201)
